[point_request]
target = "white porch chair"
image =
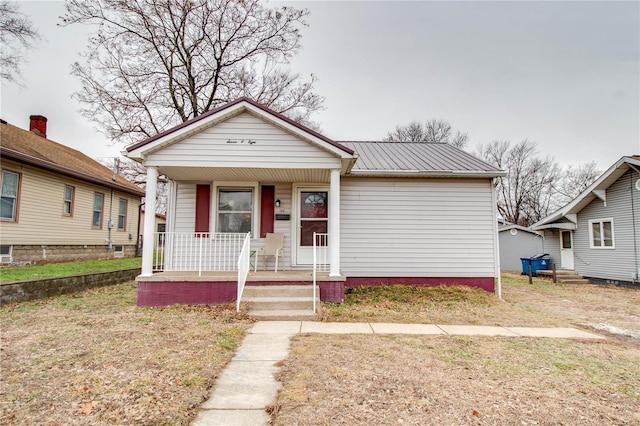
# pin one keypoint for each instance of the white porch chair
(272, 247)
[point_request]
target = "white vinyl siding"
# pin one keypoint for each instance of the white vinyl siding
(41, 222)
(551, 245)
(613, 263)
(185, 208)
(244, 141)
(416, 228)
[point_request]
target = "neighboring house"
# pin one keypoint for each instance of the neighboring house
(517, 242)
(394, 212)
(598, 233)
(159, 225)
(58, 204)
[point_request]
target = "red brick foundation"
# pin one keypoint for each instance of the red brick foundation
(484, 283)
(164, 293)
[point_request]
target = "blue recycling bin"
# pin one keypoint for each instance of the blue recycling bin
(537, 262)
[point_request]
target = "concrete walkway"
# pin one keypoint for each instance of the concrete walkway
(247, 386)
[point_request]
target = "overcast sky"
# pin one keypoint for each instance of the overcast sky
(563, 74)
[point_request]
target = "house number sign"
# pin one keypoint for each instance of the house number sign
(241, 141)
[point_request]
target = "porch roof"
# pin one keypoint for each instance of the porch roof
(209, 118)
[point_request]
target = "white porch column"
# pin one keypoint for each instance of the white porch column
(334, 223)
(149, 221)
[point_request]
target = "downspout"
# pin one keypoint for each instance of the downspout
(138, 253)
(635, 230)
(110, 223)
(116, 165)
(496, 240)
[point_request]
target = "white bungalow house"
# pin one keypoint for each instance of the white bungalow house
(598, 233)
(391, 212)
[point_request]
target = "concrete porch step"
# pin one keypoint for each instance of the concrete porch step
(574, 281)
(559, 272)
(279, 291)
(564, 276)
(284, 315)
(279, 303)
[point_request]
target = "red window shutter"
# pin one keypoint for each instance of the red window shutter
(267, 211)
(203, 207)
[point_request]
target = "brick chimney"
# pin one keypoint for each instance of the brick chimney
(38, 125)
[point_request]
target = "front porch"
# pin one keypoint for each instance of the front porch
(211, 287)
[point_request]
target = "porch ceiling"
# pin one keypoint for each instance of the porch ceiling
(245, 174)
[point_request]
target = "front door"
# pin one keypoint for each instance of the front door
(313, 216)
(566, 250)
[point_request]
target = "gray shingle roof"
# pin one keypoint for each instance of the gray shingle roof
(416, 157)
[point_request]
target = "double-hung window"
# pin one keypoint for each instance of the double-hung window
(9, 196)
(98, 205)
(601, 233)
(235, 210)
(67, 206)
(122, 214)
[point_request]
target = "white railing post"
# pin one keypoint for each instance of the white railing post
(243, 268)
(320, 260)
(200, 254)
(314, 272)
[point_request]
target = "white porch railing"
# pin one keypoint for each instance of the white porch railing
(189, 251)
(243, 268)
(320, 259)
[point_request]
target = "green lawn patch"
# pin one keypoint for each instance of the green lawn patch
(54, 270)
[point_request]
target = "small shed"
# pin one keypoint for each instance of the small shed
(516, 242)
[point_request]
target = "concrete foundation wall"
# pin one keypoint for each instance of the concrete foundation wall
(40, 289)
(40, 254)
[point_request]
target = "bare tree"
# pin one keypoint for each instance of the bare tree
(574, 181)
(152, 64)
(431, 131)
(16, 35)
(526, 194)
(135, 173)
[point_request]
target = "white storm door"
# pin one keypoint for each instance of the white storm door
(566, 250)
(312, 216)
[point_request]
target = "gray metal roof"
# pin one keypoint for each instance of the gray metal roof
(414, 157)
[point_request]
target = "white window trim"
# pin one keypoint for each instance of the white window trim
(118, 253)
(71, 201)
(613, 239)
(126, 214)
(255, 210)
(7, 258)
(16, 198)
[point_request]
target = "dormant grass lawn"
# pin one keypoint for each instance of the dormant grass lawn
(96, 359)
(53, 270)
(444, 380)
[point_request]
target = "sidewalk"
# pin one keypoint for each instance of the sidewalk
(247, 386)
